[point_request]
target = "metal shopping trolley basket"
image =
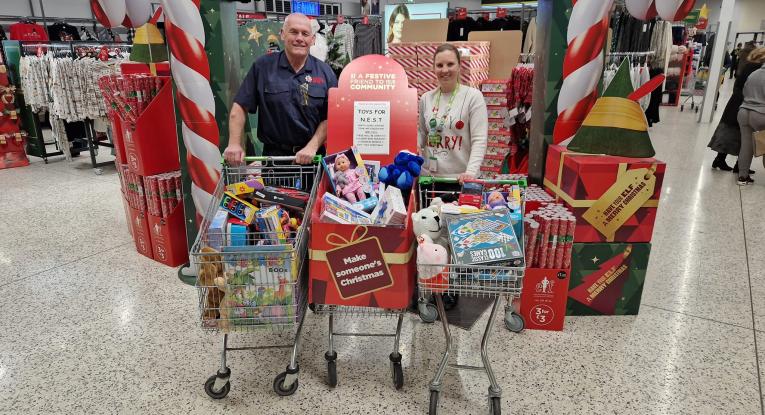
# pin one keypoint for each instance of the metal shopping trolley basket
(251, 281)
(470, 280)
(397, 372)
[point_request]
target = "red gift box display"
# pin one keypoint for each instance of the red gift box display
(614, 199)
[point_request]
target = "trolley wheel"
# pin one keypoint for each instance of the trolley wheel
(312, 306)
(279, 385)
(495, 406)
(211, 392)
(427, 311)
(397, 372)
(697, 110)
(514, 322)
(681, 108)
(331, 369)
(450, 301)
(433, 408)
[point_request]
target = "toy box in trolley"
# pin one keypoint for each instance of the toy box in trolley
(484, 280)
(250, 259)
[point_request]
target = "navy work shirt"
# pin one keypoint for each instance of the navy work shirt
(275, 92)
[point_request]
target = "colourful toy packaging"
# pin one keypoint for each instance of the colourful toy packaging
(238, 207)
(484, 238)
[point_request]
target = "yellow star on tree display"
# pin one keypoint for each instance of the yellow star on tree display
(254, 34)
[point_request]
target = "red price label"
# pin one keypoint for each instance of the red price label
(501, 12)
(541, 314)
(461, 13)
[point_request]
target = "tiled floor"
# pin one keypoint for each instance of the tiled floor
(94, 327)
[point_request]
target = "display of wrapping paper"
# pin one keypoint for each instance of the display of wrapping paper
(616, 125)
(129, 95)
(535, 193)
(549, 236)
(133, 188)
(163, 193)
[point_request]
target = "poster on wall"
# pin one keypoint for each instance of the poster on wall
(396, 14)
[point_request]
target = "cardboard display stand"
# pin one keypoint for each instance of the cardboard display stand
(543, 298)
(505, 49)
(607, 279)
(374, 109)
(151, 148)
(425, 30)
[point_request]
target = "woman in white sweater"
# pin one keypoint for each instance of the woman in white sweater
(454, 122)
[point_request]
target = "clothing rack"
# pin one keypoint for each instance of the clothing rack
(72, 49)
(648, 53)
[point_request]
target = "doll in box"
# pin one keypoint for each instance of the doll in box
(347, 181)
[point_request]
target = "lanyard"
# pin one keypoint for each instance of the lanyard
(434, 127)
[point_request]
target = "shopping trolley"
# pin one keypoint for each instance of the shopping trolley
(484, 281)
(396, 370)
(244, 287)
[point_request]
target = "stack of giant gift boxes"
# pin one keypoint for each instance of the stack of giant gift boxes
(499, 145)
(12, 139)
(417, 60)
(615, 200)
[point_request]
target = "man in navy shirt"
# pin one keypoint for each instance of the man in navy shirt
(289, 92)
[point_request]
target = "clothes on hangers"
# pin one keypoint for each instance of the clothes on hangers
(319, 48)
(522, 85)
(28, 31)
(67, 87)
(344, 35)
(368, 40)
(63, 32)
(529, 46)
(652, 111)
(459, 29)
(661, 44)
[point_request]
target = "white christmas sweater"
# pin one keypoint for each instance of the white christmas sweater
(464, 134)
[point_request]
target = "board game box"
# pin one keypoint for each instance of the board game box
(485, 238)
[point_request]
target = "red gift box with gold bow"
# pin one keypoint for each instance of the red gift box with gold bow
(615, 199)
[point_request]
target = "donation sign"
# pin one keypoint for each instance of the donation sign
(359, 268)
(371, 127)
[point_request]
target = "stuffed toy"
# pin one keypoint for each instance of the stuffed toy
(406, 166)
(211, 278)
(428, 222)
(431, 264)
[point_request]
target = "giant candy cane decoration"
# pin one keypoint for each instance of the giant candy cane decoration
(191, 73)
(582, 65)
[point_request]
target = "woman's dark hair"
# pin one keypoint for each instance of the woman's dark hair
(400, 9)
(450, 48)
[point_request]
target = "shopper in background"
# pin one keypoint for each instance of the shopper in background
(743, 55)
(734, 60)
(727, 136)
(453, 126)
(751, 118)
(396, 23)
(288, 90)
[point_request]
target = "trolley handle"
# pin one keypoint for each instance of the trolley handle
(316, 159)
(428, 180)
